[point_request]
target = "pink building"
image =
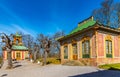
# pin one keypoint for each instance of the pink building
(91, 43)
(19, 51)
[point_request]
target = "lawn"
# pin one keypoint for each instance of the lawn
(110, 66)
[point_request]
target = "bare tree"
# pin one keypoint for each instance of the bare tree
(45, 43)
(116, 14)
(28, 41)
(36, 51)
(103, 14)
(8, 46)
(55, 43)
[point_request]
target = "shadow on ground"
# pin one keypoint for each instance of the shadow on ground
(15, 62)
(17, 66)
(3, 75)
(100, 73)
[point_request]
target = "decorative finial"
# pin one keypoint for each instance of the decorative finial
(92, 18)
(16, 32)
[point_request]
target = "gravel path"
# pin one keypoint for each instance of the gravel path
(27, 69)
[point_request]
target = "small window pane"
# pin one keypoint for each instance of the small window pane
(66, 52)
(86, 49)
(83, 47)
(108, 48)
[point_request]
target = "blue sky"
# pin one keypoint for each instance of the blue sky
(44, 16)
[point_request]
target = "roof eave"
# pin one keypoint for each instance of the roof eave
(95, 25)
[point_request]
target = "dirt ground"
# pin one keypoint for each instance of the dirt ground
(28, 69)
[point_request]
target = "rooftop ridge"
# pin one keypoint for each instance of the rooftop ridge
(84, 24)
(86, 20)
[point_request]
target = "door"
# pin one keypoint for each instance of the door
(18, 55)
(75, 56)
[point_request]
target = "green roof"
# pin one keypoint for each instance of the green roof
(83, 26)
(15, 47)
(18, 35)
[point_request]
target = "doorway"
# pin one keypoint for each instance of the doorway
(74, 48)
(18, 55)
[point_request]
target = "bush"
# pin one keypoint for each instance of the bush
(51, 60)
(110, 66)
(41, 60)
(0, 60)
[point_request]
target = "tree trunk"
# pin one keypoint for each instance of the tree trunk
(9, 60)
(45, 58)
(35, 54)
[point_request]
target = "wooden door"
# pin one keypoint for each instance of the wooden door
(18, 55)
(75, 56)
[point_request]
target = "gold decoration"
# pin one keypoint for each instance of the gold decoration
(65, 43)
(108, 37)
(85, 38)
(74, 41)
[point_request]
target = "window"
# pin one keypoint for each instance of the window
(108, 48)
(86, 49)
(65, 52)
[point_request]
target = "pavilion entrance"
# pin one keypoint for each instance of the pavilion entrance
(18, 56)
(74, 49)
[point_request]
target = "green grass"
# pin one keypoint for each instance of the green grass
(111, 66)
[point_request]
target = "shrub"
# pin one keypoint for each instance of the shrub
(53, 61)
(50, 60)
(0, 60)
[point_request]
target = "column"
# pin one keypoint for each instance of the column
(78, 49)
(62, 53)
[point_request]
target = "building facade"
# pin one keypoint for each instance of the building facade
(19, 51)
(91, 43)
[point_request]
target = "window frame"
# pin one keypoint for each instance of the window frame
(75, 48)
(66, 55)
(109, 49)
(86, 48)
